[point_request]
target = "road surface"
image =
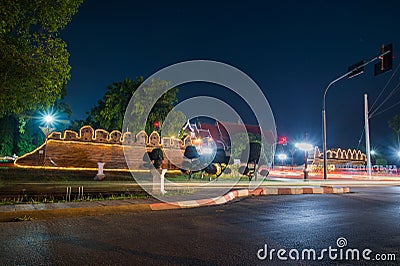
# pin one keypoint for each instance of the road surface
(230, 234)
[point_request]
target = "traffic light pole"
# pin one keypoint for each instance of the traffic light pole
(324, 105)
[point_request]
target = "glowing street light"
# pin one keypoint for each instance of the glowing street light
(48, 119)
(304, 147)
(282, 157)
(373, 152)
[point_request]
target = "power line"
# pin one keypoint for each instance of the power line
(384, 88)
(387, 109)
(385, 100)
(359, 141)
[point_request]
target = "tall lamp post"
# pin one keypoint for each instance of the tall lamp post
(48, 120)
(282, 157)
(305, 147)
(354, 70)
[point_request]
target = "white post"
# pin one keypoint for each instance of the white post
(158, 180)
(367, 144)
(162, 188)
(100, 175)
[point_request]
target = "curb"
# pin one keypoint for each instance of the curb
(129, 208)
(241, 193)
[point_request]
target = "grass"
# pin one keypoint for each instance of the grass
(13, 174)
(23, 218)
(22, 185)
(50, 199)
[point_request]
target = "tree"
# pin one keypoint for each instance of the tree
(7, 132)
(138, 111)
(109, 112)
(34, 66)
(155, 158)
(254, 155)
(173, 124)
(191, 154)
(240, 141)
(394, 124)
(20, 134)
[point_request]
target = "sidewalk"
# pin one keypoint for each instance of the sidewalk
(43, 211)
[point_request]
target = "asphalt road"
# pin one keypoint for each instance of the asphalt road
(230, 234)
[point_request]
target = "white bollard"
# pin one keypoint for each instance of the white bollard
(100, 174)
(162, 188)
(158, 181)
(68, 196)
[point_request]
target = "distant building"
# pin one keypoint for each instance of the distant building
(339, 158)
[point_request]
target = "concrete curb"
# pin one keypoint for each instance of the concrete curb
(66, 212)
(246, 193)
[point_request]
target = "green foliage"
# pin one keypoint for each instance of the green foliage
(394, 124)
(253, 152)
(7, 132)
(173, 125)
(159, 112)
(34, 65)
(20, 134)
(110, 111)
(381, 161)
(191, 152)
(240, 142)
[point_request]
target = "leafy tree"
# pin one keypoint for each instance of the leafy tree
(240, 141)
(173, 127)
(159, 111)
(7, 132)
(191, 154)
(110, 111)
(34, 65)
(254, 155)
(394, 124)
(20, 134)
(155, 158)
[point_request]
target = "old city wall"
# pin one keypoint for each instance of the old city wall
(85, 149)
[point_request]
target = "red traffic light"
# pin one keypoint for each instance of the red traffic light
(157, 124)
(282, 140)
(386, 63)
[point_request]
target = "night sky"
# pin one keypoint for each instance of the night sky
(292, 49)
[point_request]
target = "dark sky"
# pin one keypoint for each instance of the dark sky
(292, 49)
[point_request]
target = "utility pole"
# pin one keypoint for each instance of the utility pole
(386, 58)
(367, 143)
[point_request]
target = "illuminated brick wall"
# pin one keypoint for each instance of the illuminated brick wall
(89, 146)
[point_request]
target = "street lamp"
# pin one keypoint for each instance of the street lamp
(355, 70)
(304, 147)
(282, 157)
(48, 120)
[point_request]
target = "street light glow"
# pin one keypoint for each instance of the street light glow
(48, 119)
(372, 152)
(208, 150)
(398, 153)
(304, 146)
(282, 156)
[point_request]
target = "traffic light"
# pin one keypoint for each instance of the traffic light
(356, 69)
(282, 140)
(386, 62)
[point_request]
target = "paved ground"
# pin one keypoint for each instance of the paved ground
(229, 234)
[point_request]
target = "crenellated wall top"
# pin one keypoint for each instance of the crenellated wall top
(88, 134)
